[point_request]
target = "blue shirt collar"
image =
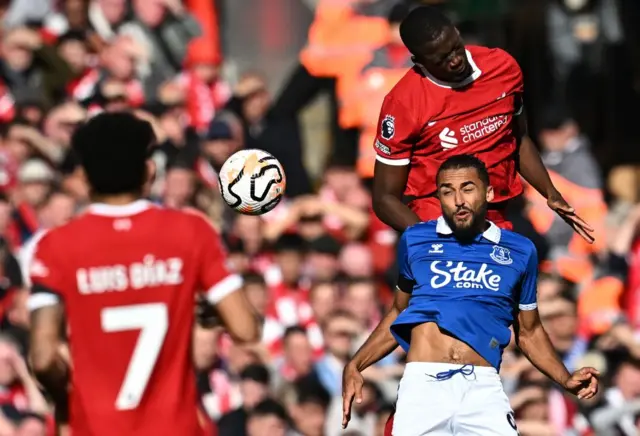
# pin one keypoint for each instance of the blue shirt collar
(493, 233)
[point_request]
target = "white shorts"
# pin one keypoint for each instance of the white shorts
(471, 403)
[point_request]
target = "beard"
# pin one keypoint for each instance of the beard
(468, 230)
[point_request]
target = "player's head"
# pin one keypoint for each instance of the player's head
(464, 192)
(436, 44)
(114, 150)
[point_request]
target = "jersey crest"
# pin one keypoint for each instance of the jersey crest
(501, 255)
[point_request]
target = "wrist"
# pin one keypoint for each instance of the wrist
(564, 380)
(552, 192)
(355, 365)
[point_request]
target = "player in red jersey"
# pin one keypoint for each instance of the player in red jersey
(126, 273)
(457, 99)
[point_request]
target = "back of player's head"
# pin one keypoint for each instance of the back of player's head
(113, 149)
(422, 26)
(463, 161)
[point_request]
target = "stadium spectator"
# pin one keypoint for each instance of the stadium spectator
(254, 388)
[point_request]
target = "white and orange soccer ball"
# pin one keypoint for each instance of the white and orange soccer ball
(252, 182)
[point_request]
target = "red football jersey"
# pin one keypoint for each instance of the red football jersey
(424, 121)
(128, 276)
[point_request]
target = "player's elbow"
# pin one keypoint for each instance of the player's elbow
(43, 359)
(247, 333)
(525, 339)
(380, 203)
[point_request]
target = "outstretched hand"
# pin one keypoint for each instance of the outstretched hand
(568, 214)
(352, 382)
(583, 383)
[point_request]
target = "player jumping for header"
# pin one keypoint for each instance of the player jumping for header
(461, 281)
(126, 273)
(456, 100)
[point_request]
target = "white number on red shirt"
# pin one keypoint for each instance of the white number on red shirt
(153, 321)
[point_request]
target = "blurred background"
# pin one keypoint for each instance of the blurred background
(304, 80)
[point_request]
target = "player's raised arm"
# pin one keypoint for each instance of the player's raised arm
(393, 146)
(534, 342)
(381, 342)
(221, 287)
(535, 173)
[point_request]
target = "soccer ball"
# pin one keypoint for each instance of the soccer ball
(252, 182)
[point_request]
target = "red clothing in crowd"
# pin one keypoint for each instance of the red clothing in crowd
(204, 100)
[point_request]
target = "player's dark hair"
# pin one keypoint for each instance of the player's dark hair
(465, 161)
(398, 13)
(113, 149)
(423, 25)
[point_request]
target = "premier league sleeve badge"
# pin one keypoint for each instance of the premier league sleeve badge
(388, 127)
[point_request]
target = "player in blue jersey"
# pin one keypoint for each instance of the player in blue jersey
(462, 283)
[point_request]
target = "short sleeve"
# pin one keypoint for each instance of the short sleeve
(529, 283)
(396, 131)
(45, 274)
(406, 281)
(213, 275)
(517, 85)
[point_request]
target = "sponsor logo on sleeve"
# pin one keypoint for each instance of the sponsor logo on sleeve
(388, 127)
(383, 148)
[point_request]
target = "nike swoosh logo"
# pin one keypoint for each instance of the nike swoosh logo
(431, 123)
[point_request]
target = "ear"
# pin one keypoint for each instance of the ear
(490, 193)
(151, 172)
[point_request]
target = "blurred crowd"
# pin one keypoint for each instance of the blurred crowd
(320, 268)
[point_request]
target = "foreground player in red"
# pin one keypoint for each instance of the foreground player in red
(456, 100)
(125, 274)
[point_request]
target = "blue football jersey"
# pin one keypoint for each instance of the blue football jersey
(471, 290)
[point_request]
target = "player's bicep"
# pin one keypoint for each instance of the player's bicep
(389, 180)
(239, 318)
(396, 133)
(401, 300)
(45, 335)
(527, 322)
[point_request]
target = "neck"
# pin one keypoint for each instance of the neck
(115, 199)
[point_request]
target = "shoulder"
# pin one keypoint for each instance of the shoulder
(518, 243)
(495, 56)
(404, 91)
(421, 230)
(58, 236)
(196, 218)
(495, 60)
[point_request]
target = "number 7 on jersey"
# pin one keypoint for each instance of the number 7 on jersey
(152, 320)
